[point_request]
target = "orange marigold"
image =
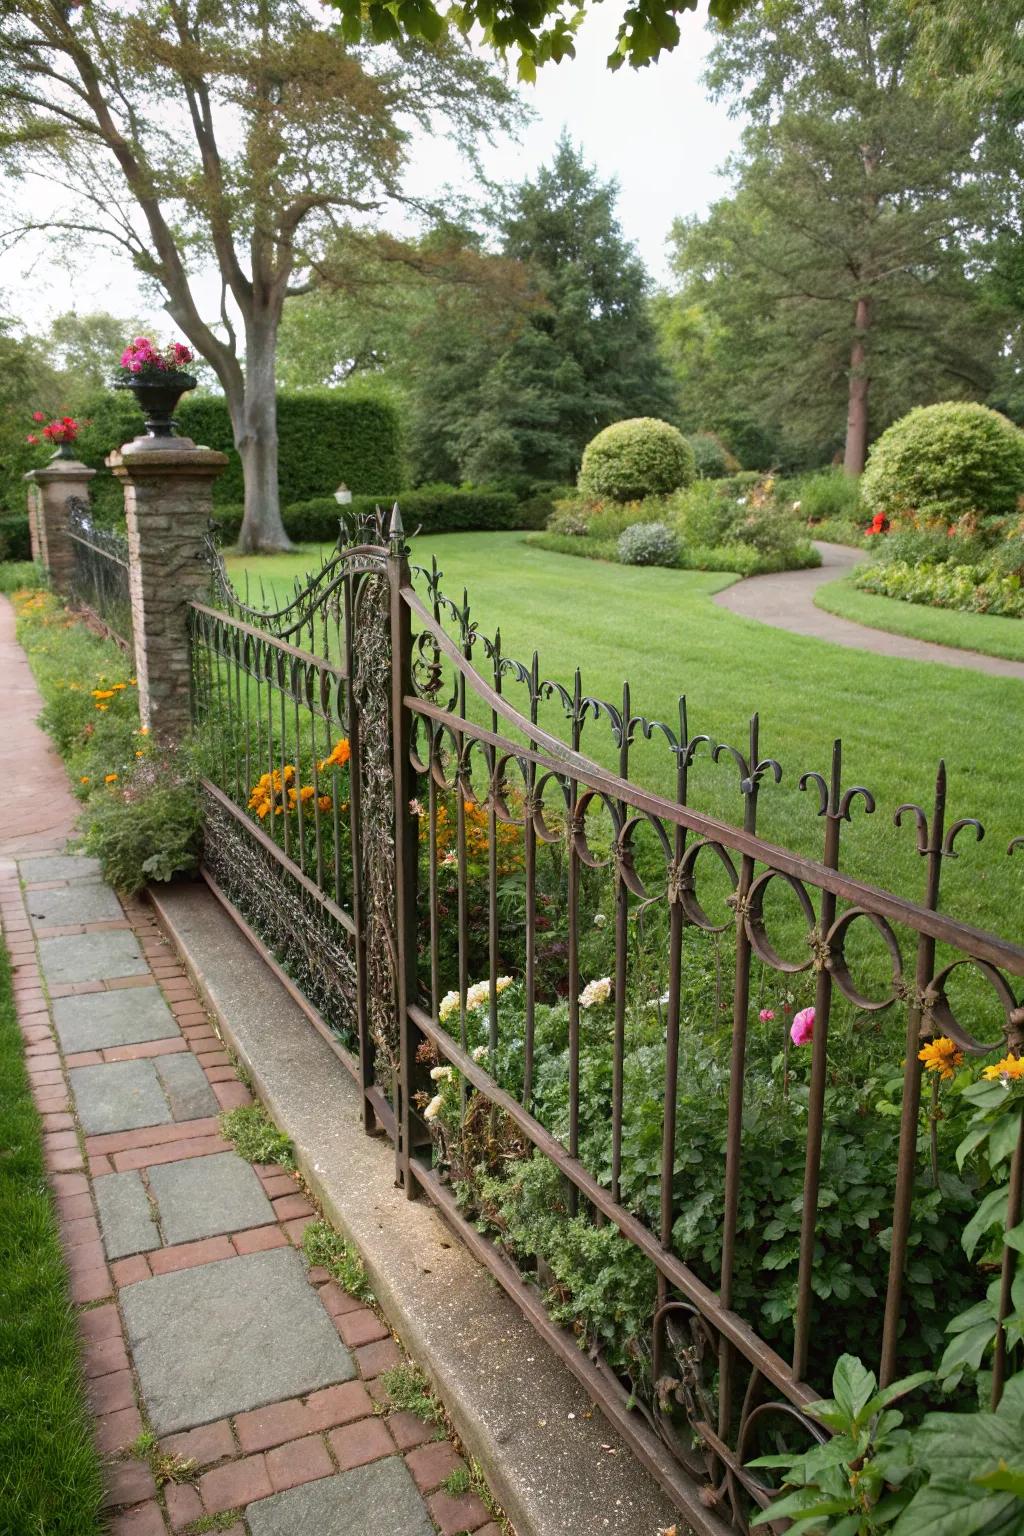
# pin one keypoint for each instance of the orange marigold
(1008, 1070)
(941, 1055)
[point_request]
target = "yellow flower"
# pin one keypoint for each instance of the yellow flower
(324, 802)
(340, 754)
(111, 778)
(103, 693)
(941, 1055)
(84, 779)
(1006, 1071)
(140, 754)
(144, 730)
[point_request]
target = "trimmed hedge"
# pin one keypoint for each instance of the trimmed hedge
(432, 509)
(325, 436)
(945, 460)
(15, 539)
(636, 458)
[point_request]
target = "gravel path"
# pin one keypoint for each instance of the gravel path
(786, 601)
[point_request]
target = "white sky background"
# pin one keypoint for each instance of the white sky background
(654, 130)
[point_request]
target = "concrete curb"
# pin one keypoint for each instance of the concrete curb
(552, 1460)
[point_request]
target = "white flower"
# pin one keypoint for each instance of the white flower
(433, 1109)
(501, 983)
(741, 501)
(481, 1053)
(449, 1004)
(796, 506)
(599, 919)
(441, 1074)
(448, 860)
(596, 992)
(415, 808)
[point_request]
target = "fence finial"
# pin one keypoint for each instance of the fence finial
(396, 531)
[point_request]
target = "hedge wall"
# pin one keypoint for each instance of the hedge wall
(15, 539)
(325, 436)
(432, 509)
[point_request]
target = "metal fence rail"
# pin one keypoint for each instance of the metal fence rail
(100, 576)
(415, 889)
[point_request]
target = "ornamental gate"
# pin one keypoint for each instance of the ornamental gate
(432, 869)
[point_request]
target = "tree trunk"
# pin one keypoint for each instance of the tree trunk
(856, 451)
(254, 421)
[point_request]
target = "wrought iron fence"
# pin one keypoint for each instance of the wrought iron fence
(437, 875)
(100, 574)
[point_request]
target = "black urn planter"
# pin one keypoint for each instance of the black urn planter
(158, 396)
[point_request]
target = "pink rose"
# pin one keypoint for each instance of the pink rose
(766, 1015)
(801, 1030)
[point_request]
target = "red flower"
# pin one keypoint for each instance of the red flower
(32, 439)
(38, 416)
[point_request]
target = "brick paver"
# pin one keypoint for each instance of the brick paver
(321, 1451)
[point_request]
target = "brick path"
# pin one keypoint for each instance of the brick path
(201, 1321)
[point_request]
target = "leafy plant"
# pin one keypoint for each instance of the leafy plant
(648, 544)
(637, 458)
(255, 1136)
(327, 1248)
(941, 461)
(409, 1392)
(147, 824)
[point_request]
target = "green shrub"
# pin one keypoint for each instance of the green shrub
(21, 576)
(147, 825)
(325, 436)
(970, 588)
(15, 540)
(942, 461)
(824, 495)
(648, 544)
(430, 509)
(633, 459)
(709, 456)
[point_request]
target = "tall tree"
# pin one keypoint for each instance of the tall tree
(525, 396)
(841, 256)
(238, 131)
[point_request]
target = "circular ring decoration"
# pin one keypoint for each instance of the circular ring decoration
(940, 1010)
(840, 970)
(755, 924)
(688, 893)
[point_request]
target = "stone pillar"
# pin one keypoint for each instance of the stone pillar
(168, 500)
(35, 521)
(54, 484)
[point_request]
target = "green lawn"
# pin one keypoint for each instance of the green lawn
(50, 1482)
(658, 627)
(983, 632)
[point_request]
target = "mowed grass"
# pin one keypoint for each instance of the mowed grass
(987, 633)
(660, 629)
(50, 1482)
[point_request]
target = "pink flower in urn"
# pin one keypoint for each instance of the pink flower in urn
(801, 1031)
(766, 1015)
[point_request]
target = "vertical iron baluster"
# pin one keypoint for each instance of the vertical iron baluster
(405, 848)
(237, 641)
(460, 847)
(929, 845)
(280, 665)
(366, 1044)
(621, 935)
(492, 868)
(298, 676)
(531, 810)
(573, 881)
(737, 1067)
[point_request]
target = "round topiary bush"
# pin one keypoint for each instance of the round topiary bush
(633, 459)
(940, 461)
(709, 456)
(648, 544)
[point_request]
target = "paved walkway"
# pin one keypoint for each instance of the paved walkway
(39, 808)
(201, 1321)
(786, 601)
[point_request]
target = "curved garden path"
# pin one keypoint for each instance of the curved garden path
(786, 601)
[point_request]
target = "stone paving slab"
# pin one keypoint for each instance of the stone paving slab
(230, 1336)
(203, 1196)
(378, 1500)
(91, 957)
(126, 1218)
(61, 866)
(185, 1083)
(87, 901)
(97, 1020)
(120, 1096)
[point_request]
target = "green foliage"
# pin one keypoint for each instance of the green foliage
(148, 825)
(323, 1246)
(709, 456)
(648, 544)
(633, 459)
(255, 1136)
(969, 588)
(21, 576)
(410, 1392)
(498, 389)
(325, 437)
(943, 461)
(952, 1474)
(52, 1474)
(15, 541)
(827, 495)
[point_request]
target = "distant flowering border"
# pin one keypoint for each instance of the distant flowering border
(142, 359)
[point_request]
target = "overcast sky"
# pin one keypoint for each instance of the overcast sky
(654, 130)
